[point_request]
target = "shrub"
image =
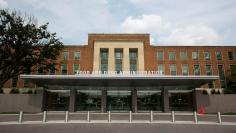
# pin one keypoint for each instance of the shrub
(14, 91)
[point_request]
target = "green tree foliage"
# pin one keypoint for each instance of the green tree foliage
(24, 46)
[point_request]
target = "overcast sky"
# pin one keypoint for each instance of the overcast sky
(170, 22)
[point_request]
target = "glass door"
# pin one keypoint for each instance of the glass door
(58, 100)
(118, 100)
(181, 101)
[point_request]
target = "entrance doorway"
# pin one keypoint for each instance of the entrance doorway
(57, 100)
(119, 100)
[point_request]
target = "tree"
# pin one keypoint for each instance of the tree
(24, 46)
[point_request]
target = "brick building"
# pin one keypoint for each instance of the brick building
(121, 72)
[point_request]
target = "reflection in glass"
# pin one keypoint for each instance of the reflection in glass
(119, 100)
(181, 101)
(88, 100)
(57, 100)
(149, 100)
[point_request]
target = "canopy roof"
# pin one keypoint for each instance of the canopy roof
(121, 80)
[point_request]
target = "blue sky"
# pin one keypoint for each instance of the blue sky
(170, 22)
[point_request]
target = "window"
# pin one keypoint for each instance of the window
(118, 60)
(231, 55)
(65, 55)
(196, 69)
(218, 55)
(222, 75)
(233, 70)
(172, 69)
(77, 55)
(194, 55)
(64, 69)
(208, 70)
(171, 55)
(184, 69)
(207, 55)
(160, 55)
(160, 68)
(76, 68)
(183, 55)
(133, 59)
(104, 60)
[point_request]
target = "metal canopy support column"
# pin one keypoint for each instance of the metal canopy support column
(72, 106)
(104, 100)
(134, 100)
(165, 100)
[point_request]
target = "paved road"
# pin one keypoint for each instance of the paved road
(116, 128)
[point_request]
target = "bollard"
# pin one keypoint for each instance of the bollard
(88, 119)
(44, 116)
(173, 116)
(151, 116)
(109, 116)
(130, 116)
(219, 118)
(195, 117)
(67, 116)
(20, 117)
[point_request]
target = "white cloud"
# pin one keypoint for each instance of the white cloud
(3, 4)
(165, 32)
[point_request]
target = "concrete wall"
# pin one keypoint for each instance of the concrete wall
(18, 102)
(217, 103)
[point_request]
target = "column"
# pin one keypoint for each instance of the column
(111, 59)
(165, 100)
(72, 106)
(134, 100)
(104, 100)
(126, 64)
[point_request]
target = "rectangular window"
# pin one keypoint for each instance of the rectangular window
(172, 69)
(77, 55)
(184, 69)
(196, 69)
(76, 68)
(218, 55)
(171, 55)
(207, 55)
(183, 55)
(133, 59)
(104, 59)
(221, 71)
(208, 70)
(64, 69)
(160, 68)
(233, 70)
(118, 60)
(231, 55)
(195, 55)
(65, 55)
(160, 55)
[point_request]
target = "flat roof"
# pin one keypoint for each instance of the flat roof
(120, 80)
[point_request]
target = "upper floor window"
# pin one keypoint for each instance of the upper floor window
(160, 55)
(171, 55)
(77, 55)
(208, 70)
(172, 69)
(64, 69)
(133, 55)
(194, 55)
(118, 54)
(231, 55)
(104, 54)
(160, 68)
(184, 69)
(65, 55)
(183, 55)
(207, 55)
(221, 71)
(76, 68)
(196, 69)
(218, 55)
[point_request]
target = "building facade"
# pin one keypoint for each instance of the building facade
(123, 72)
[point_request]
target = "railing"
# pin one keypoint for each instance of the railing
(113, 117)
